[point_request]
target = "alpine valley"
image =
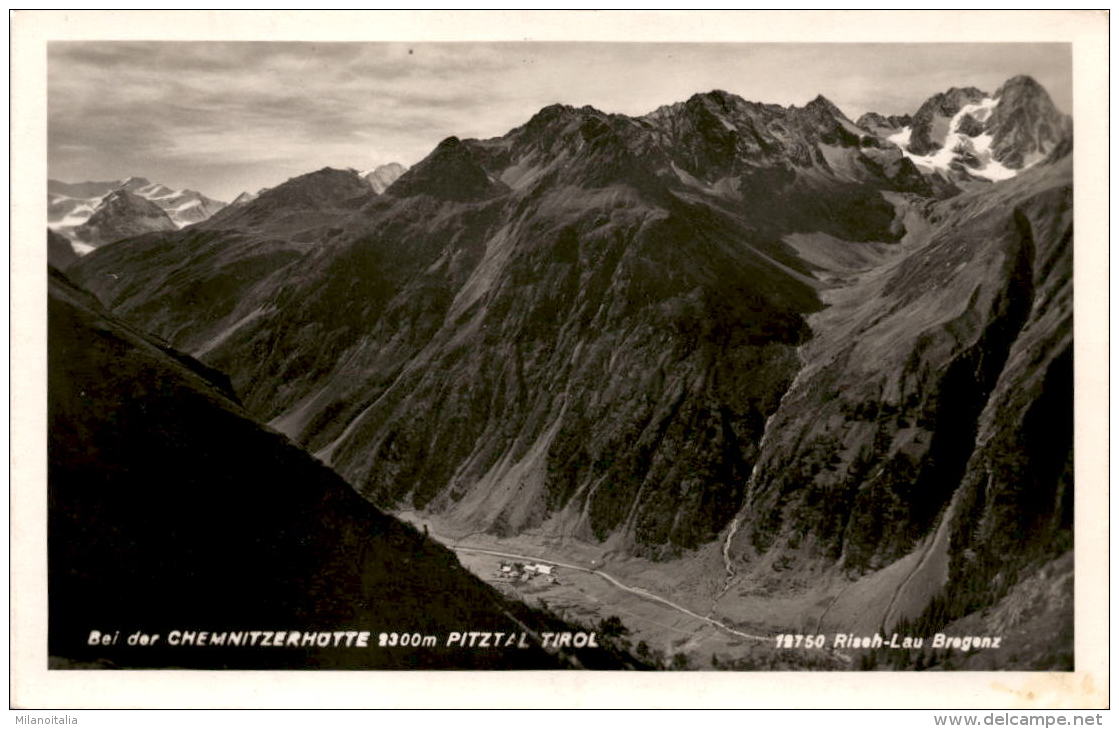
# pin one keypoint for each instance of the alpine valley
(736, 369)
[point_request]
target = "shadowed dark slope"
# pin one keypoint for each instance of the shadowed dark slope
(170, 510)
(60, 253)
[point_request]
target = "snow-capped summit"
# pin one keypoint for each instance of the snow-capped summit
(150, 190)
(70, 205)
(966, 133)
(244, 198)
(183, 206)
(121, 214)
(965, 147)
(379, 178)
(134, 183)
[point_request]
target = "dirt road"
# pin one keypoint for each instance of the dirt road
(616, 583)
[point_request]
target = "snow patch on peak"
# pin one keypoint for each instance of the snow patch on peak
(72, 205)
(972, 154)
(379, 178)
(901, 138)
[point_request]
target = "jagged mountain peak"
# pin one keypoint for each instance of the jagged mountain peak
(134, 181)
(718, 98)
(720, 104)
(450, 172)
(243, 199)
(118, 195)
(295, 205)
(324, 186)
(957, 96)
(1024, 90)
(830, 122)
(823, 103)
(1025, 125)
(450, 143)
(1023, 83)
(710, 137)
(968, 134)
(876, 123)
(930, 119)
(380, 177)
(122, 198)
(967, 91)
(556, 121)
(551, 112)
(122, 214)
(327, 171)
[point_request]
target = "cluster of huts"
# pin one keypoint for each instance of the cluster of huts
(524, 572)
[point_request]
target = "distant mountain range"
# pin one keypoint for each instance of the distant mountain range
(121, 214)
(793, 354)
(91, 214)
(70, 205)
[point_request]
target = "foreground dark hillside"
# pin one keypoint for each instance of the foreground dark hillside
(170, 510)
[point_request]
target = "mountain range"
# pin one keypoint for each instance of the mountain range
(767, 352)
(71, 205)
(91, 214)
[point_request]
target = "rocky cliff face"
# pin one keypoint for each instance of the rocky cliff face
(880, 125)
(720, 321)
(930, 122)
(1025, 126)
(916, 388)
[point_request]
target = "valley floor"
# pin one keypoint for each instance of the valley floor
(589, 585)
(688, 615)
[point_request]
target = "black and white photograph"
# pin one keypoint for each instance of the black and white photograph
(608, 355)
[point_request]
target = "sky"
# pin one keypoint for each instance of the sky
(224, 117)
